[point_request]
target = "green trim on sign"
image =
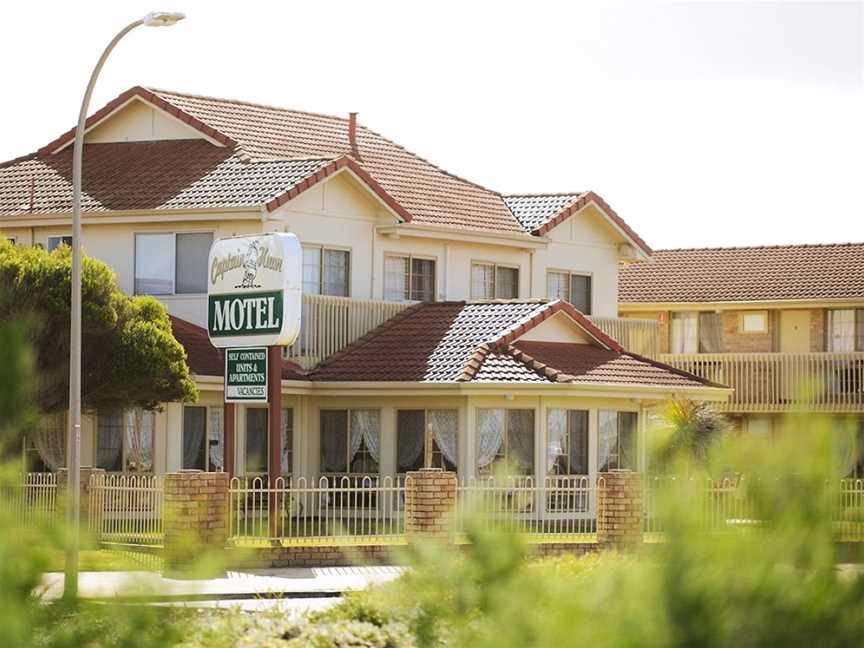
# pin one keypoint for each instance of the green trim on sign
(235, 314)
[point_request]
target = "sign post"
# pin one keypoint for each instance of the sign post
(253, 310)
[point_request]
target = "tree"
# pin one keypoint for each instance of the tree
(690, 429)
(130, 357)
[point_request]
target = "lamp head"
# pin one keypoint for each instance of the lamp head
(163, 18)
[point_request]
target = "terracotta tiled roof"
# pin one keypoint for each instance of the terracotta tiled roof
(257, 142)
(474, 342)
(206, 360)
(539, 213)
(170, 174)
(746, 274)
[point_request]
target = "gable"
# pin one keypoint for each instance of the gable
(558, 328)
(139, 121)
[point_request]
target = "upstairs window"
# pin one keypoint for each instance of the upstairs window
(574, 288)
(172, 263)
(692, 332)
(492, 281)
(56, 241)
(845, 330)
(408, 278)
(326, 271)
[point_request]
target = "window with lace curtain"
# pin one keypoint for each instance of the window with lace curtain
(492, 281)
(616, 441)
(350, 442)
(426, 439)
(695, 332)
(124, 440)
(258, 441)
(566, 442)
(505, 438)
(409, 278)
(203, 438)
(572, 287)
(845, 331)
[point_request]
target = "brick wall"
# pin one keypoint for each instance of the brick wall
(430, 495)
(619, 509)
(196, 515)
(309, 556)
(735, 341)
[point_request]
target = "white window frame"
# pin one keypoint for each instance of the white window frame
(487, 471)
(124, 413)
(428, 437)
(831, 339)
(173, 234)
(494, 265)
(566, 449)
(358, 475)
(410, 258)
(636, 456)
(207, 436)
(58, 243)
(332, 248)
(570, 274)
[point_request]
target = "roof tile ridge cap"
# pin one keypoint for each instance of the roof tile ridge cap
(367, 337)
(200, 124)
(551, 194)
(243, 102)
(474, 362)
(773, 246)
(540, 368)
(674, 370)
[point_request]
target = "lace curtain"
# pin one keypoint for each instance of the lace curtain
(411, 438)
(490, 435)
(520, 440)
(139, 440)
(556, 435)
(366, 426)
(49, 439)
(607, 441)
(216, 445)
(444, 425)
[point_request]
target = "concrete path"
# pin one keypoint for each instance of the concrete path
(293, 582)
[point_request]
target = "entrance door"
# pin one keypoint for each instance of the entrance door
(795, 331)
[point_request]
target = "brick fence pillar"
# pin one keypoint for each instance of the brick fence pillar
(196, 515)
(63, 480)
(619, 509)
(430, 494)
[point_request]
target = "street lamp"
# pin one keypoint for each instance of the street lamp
(73, 453)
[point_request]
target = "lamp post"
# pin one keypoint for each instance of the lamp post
(73, 450)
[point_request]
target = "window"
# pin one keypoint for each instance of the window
(56, 241)
(846, 330)
(426, 439)
(490, 281)
(203, 438)
(350, 441)
(575, 288)
(754, 322)
(616, 444)
(408, 278)
(325, 271)
(124, 440)
(287, 441)
(169, 263)
(692, 332)
(567, 442)
(256, 440)
(505, 436)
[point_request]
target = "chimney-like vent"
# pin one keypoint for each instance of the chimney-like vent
(352, 134)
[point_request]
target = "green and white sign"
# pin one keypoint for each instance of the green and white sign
(246, 375)
(254, 290)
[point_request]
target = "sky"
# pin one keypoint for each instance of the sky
(700, 123)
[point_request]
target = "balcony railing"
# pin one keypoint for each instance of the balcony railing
(637, 335)
(330, 324)
(780, 382)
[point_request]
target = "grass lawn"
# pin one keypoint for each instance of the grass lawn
(102, 560)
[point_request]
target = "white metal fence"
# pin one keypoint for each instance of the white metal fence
(127, 509)
(326, 510)
(32, 499)
(557, 506)
(717, 504)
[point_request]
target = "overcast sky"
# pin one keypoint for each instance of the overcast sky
(701, 123)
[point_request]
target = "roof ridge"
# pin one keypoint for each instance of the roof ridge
(544, 194)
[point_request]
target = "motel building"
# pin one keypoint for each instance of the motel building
(443, 323)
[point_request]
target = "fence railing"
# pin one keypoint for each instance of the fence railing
(324, 510)
(717, 504)
(32, 499)
(640, 336)
(127, 509)
(556, 506)
(329, 324)
(778, 382)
